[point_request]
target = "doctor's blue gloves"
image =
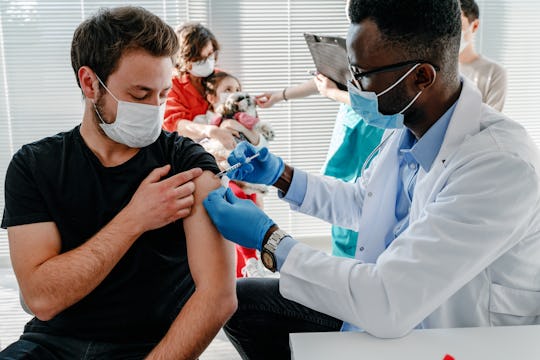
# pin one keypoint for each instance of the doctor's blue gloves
(265, 169)
(238, 220)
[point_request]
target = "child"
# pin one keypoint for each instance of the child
(226, 102)
(221, 87)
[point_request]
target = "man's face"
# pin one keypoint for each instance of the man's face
(138, 78)
(367, 51)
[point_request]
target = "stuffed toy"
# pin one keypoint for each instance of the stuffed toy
(239, 106)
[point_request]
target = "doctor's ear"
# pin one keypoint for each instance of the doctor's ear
(425, 76)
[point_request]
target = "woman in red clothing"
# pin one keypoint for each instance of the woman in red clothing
(188, 99)
(195, 62)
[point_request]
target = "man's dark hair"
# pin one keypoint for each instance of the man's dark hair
(470, 9)
(426, 30)
(100, 41)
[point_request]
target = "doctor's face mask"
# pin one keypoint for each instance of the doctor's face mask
(365, 103)
(136, 125)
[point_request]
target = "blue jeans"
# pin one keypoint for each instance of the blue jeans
(41, 346)
(261, 326)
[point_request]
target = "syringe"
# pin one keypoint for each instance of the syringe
(236, 166)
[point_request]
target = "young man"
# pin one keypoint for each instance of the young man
(108, 237)
(448, 211)
(489, 77)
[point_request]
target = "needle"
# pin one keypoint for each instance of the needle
(236, 166)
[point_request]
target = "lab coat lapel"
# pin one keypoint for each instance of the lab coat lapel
(464, 123)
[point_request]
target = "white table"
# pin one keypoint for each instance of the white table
(488, 343)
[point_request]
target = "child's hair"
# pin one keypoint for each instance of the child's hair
(212, 82)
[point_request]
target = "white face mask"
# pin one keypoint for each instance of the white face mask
(136, 125)
(203, 68)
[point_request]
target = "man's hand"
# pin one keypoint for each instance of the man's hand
(264, 169)
(157, 202)
(238, 220)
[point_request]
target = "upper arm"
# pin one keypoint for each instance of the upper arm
(30, 246)
(211, 258)
(496, 95)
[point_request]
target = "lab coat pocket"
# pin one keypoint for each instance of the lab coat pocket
(509, 306)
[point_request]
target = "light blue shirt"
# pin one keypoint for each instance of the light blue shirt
(412, 154)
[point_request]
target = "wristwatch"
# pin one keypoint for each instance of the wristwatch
(268, 250)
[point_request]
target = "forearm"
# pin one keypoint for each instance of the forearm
(195, 326)
(65, 279)
(300, 91)
(193, 130)
(340, 96)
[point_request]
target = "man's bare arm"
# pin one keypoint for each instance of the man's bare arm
(211, 260)
(50, 281)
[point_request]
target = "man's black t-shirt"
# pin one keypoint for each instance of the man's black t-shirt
(59, 179)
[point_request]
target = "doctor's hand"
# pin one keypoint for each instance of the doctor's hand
(238, 220)
(265, 169)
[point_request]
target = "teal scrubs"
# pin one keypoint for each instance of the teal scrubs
(352, 142)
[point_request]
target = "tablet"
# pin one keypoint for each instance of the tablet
(329, 55)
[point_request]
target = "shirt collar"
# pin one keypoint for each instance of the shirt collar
(425, 150)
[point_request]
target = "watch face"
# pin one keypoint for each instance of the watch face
(267, 260)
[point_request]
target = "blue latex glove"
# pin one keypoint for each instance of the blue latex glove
(265, 169)
(238, 220)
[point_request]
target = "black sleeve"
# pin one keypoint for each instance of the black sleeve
(24, 203)
(188, 155)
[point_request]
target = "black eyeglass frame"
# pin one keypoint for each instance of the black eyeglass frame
(358, 75)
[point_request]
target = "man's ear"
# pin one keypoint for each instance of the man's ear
(425, 76)
(89, 83)
(474, 26)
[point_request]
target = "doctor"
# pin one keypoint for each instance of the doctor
(448, 212)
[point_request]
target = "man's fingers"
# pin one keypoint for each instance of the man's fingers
(185, 189)
(183, 213)
(185, 202)
(183, 177)
(156, 174)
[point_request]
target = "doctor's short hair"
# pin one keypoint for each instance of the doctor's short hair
(421, 29)
(100, 41)
(470, 10)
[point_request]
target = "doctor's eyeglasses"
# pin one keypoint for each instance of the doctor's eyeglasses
(359, 77)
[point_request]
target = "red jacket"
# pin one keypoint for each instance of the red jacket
(183, 102)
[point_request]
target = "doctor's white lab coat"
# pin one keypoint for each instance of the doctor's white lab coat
(471, 254)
